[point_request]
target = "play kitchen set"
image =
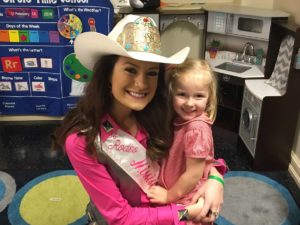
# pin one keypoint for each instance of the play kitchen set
(242, 42)
(257, 94)
(271, 105)
(257, 89)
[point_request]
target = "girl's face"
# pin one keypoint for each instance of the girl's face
(190, 95)
(133, 83)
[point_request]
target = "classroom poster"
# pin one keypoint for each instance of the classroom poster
(39, 73)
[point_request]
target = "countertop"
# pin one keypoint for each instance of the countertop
(244, 10)
(260, 89)
(196, 8)
(224, 56)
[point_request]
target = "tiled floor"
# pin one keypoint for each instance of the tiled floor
(25, 154)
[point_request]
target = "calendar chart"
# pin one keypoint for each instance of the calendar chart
(39, 72)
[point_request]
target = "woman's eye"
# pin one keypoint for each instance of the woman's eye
(180, 94)
(152, 73)
(130, 70)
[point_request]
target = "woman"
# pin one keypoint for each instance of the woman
(118, 133)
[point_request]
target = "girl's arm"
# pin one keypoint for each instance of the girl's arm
(107, 197)
(185, 183)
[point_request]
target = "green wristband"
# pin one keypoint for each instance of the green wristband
(216, 178)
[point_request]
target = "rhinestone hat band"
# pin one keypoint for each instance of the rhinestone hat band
(142, 35)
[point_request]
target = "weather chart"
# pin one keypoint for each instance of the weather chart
(39, 72)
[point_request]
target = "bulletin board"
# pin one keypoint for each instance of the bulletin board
(39, 72)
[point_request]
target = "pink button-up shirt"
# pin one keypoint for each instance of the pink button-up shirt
(104, 192)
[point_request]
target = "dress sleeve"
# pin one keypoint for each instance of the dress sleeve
(105, 194)
(198, 140)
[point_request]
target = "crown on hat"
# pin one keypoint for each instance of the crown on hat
(141, 35)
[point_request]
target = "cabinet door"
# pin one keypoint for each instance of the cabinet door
(230, 97)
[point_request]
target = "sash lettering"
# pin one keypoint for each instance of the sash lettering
(130, 155)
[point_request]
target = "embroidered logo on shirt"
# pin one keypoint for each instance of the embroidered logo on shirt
(107, 126)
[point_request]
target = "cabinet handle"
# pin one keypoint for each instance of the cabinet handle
(225, 78)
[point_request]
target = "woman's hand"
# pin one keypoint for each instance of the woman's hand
(194, 209)
(212, 192)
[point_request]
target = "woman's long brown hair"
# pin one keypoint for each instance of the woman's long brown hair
(96, 102)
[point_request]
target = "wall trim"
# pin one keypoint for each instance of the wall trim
(29, 118)
(294, 168)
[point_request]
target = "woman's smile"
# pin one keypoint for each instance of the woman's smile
(137, 94)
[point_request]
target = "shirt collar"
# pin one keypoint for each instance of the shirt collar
(203, 117)
(109, 126)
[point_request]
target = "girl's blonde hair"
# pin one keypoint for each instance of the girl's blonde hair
(200, 68)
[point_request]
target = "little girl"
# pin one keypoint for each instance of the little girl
(193, 88)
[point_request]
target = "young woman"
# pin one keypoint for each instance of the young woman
(118, 133)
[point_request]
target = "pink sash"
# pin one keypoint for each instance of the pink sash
(130, 155)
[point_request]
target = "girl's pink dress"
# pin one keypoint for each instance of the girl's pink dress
(192, 139)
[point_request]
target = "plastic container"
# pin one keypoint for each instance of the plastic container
(259, 56)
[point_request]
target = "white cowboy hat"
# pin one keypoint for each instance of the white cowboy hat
(134, 36)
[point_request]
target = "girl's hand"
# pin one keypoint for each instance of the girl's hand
(212, 191)
(158, 195)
